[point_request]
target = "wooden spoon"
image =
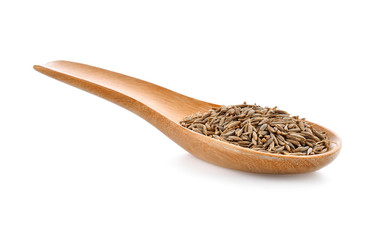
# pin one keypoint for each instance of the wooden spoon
(164, 109)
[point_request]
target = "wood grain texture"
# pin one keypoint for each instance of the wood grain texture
(164, 109)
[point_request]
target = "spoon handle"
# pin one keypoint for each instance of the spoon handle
(159, 106)
(142, 98)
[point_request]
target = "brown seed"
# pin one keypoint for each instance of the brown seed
(270, 129)
(250, 129)
(270, 140)
(263, 127)
(318, 134)
(296, 143)
(288, 148)
(296, 136)
(271, 146)
(239, 132)
(279, 149)
(254, 136)
(309, 151)
(302, 149)
(301, 125)
(259, 128)
(265, 120)
(263, 133)
(222, 121)
(309, 144)
(250, 112)
(227, 134)
(244, 143)
(231, 111)
(232, 124)
(233, 138)
(246, 138)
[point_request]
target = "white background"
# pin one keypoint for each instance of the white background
(74, 166)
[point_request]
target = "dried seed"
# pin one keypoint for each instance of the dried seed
(233, 138)
(301, 125)
(279, 149)
(254, 136)
(318, 134)
(239, 132)
(309, 151)
(222, 121)
(261, 129)
(271, 146)
(302, 149)
(270, 129)
(296, 143)
(288, 148)
(244, 142)
(232, 124)
(227, 134)
(268, 142)
(250, 112)
(250, 129)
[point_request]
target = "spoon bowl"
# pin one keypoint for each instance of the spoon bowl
(164, 109)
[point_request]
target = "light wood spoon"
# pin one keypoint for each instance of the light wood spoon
(164, 109)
